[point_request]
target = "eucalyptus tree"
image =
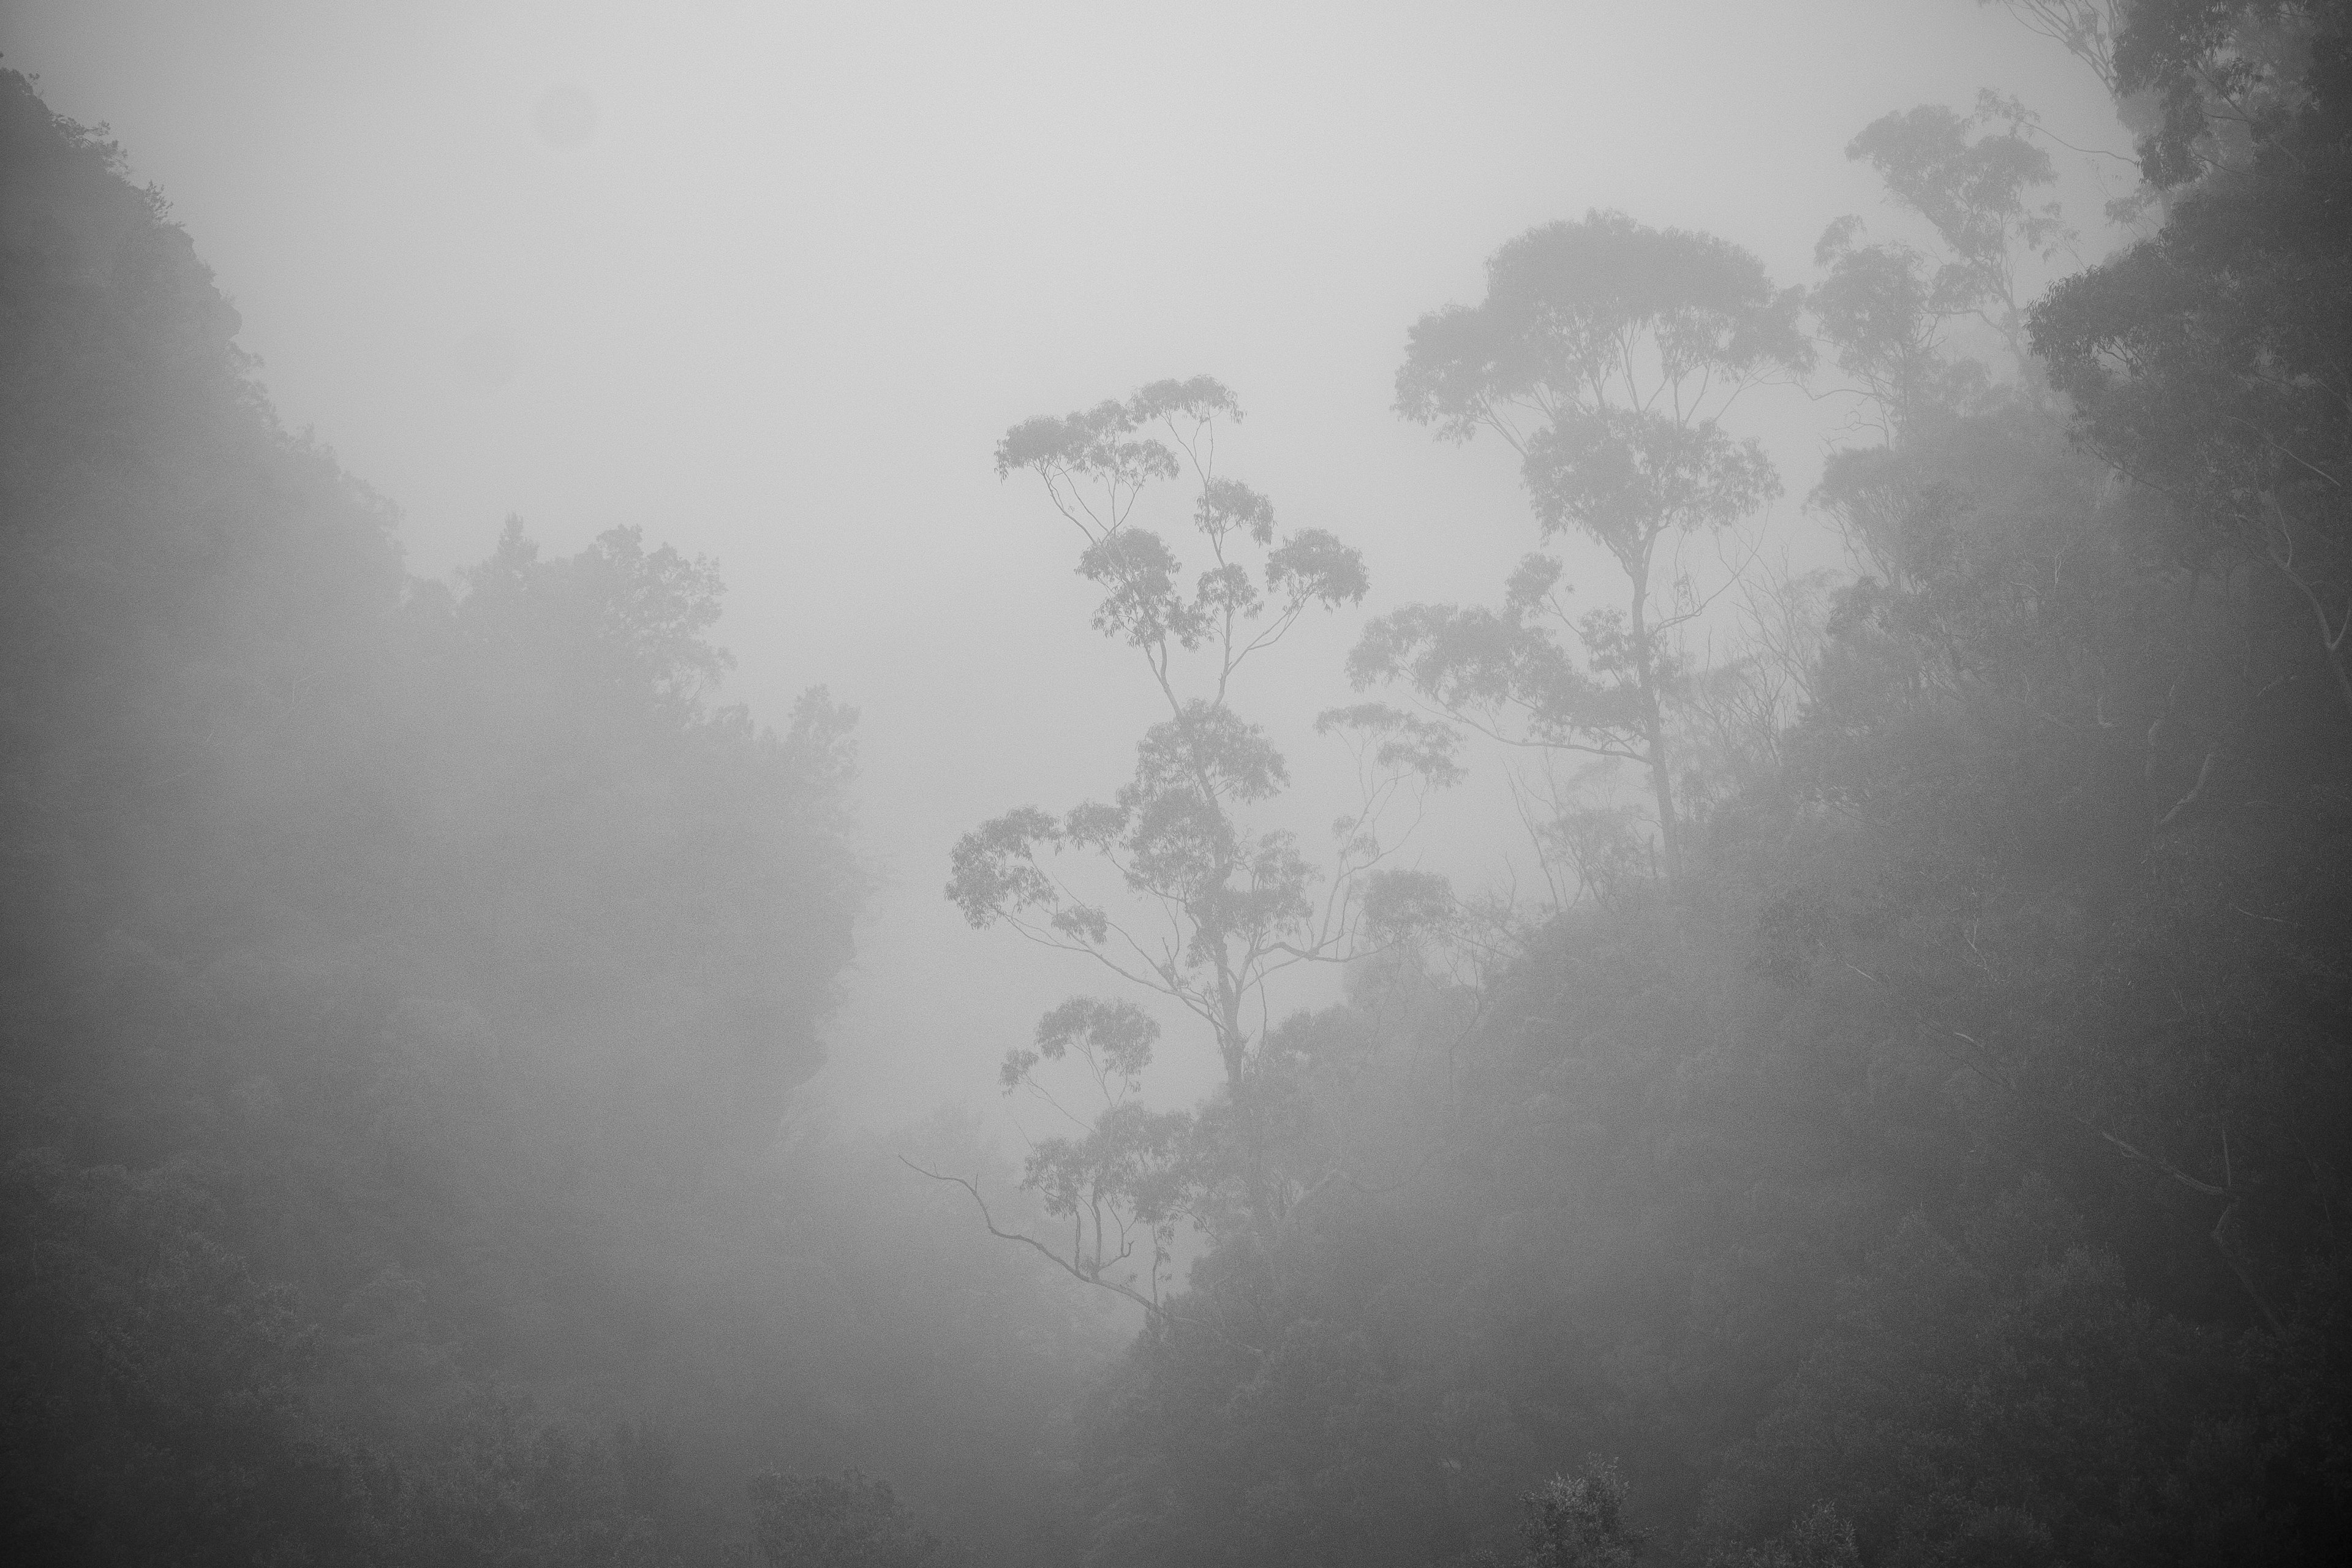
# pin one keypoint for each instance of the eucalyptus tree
(1882, 307)
(1972, 184)
(1167, 887)
(1885, 308)
(1605, 354)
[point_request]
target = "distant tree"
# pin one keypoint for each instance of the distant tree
(1874, 310)
(1884, 308)
(1606, 354)
(1188, 901)
(1971, 185)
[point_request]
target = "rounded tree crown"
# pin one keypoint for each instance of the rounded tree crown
(1564, 301)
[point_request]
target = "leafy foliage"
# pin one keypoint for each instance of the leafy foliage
(2209, 362)
(1606, 354)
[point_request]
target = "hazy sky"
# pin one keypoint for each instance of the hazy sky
(770, 280)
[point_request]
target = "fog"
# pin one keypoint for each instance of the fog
(777, 293)
(1976, 994)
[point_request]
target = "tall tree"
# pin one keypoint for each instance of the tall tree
(1971, 184)
(1187, 899)
(1884, 308)
(1606, 354)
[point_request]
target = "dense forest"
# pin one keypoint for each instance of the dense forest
(1910, 1125)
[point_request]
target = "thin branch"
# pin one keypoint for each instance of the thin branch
(1075, 1270)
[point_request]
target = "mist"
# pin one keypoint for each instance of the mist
(554, 548)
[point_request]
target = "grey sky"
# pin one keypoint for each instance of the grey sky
(776, 303)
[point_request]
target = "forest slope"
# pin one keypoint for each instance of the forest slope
(402, 989)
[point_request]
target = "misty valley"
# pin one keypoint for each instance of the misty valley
(1806, 1022)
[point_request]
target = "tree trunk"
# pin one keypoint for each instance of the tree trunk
(1653, 725)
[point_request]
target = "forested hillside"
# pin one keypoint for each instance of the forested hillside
(404, 984)
(1904, 1122)
(1917, 1131)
